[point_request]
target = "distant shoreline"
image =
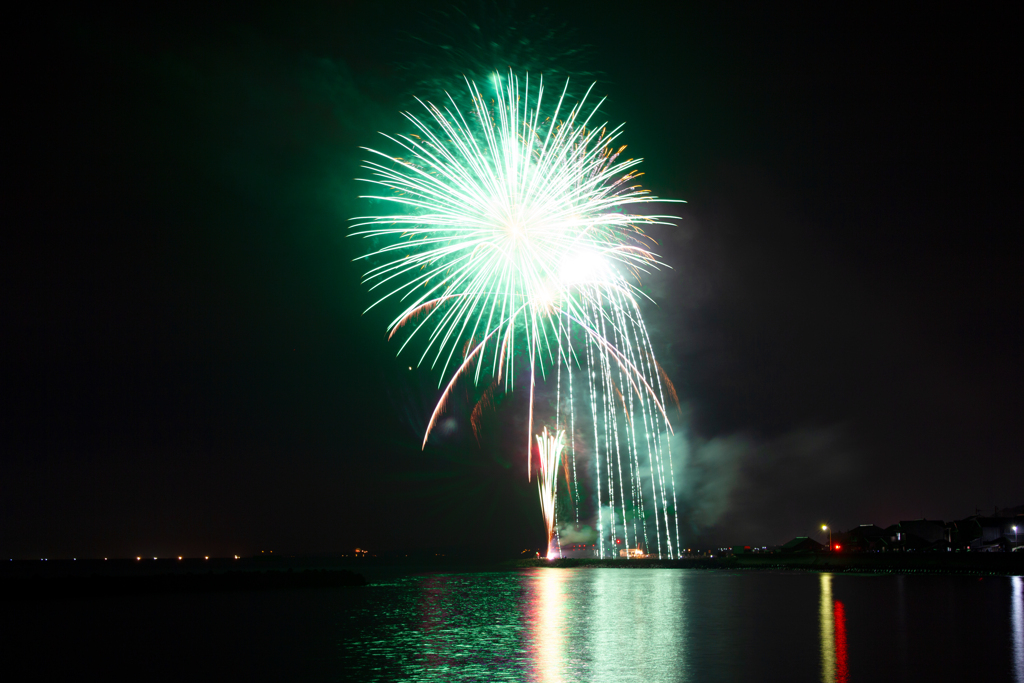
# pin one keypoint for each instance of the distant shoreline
(26, 580)
(1006, 564)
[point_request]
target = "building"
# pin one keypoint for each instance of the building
(865, 538)
(987, 534)
(802, 544)
(927, 531)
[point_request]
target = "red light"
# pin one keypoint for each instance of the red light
(837, 546)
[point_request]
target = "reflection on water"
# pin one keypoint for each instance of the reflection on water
(826, 629)
(832, 630)
(605, 626)
(659, 625)
(842, 672)
(547, 627)
(445, 627)
(647, 625)
(1017, 618)
(633, 628)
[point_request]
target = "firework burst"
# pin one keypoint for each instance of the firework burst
(513, 238)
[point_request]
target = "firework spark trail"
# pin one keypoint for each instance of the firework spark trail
(567, 361)
(597, 447)
(558, 405)
(613, 438)
(668, 442)
(636, 449)
(631, 450)
(507, 217)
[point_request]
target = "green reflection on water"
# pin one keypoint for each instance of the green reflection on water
(544, 625)
(636, 625)
(456, 628)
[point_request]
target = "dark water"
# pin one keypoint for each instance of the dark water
(545, 625)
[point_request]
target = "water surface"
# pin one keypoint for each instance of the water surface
(546, 625)
(657, 625)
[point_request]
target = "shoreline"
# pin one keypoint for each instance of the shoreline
(27, 580)
(1005, 564)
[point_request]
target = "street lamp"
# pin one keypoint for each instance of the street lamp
(824, 528)
(1014, 535)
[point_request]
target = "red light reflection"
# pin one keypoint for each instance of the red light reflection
(839, 617)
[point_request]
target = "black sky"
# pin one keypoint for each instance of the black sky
(185, 365)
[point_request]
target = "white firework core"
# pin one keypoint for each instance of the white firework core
(550, 448)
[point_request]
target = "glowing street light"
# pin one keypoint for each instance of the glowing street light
(1014, 535)
(826, 528)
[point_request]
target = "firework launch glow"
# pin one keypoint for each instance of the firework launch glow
(550, 447)
(512, 245)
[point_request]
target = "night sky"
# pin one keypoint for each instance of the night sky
(186, 368)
